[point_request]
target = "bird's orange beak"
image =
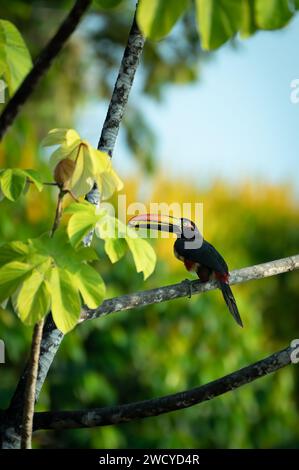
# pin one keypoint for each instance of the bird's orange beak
(157, 222)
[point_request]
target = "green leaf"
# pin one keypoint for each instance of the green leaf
(66, 304)
(92, 165)
(81, 222)
(60, 136)
(60, 250)
(272, 14)
(143, 254)
(49, 269)
(218, 21)
(32, 301)
(15, 60)
(86, 253)
(109, 182)
(87, 165)
(91, 286)
(115, 248)
(107, 4)
(83, 208)
(157, 17)
(248, 26)
(108, 227)
(11, 275)
(12, 183)
(78, 228)
(35, 178)
(115, 233)
(13, 251)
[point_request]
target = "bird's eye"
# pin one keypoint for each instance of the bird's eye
(185, 224)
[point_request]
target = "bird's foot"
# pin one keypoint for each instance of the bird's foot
(188, 284)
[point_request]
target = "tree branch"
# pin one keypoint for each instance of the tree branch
(122, 88)
(157, 406)
(175, 291)
(118, 102)
(42, 64)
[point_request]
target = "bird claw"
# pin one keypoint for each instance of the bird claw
(188, 284)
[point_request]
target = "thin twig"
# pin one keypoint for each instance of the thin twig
(157, 406)
(29, 396)
(42, 64)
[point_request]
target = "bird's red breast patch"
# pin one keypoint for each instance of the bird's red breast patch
(222, 277)
(190, 265)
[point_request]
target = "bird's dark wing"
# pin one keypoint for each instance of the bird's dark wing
(206, 255)
(211, 258)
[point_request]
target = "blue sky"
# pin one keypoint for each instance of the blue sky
(237, 123)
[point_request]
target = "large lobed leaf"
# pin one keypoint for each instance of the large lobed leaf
(48, 273)
(15, 60)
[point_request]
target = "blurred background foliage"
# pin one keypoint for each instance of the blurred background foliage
(163, 348)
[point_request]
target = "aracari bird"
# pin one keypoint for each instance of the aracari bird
(196, 253)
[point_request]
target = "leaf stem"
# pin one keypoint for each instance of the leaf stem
(44, 183)
(29, 398)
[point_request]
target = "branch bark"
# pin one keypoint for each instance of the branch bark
(118, 102)
(122, 88)
(175, 291)
(42, 64)
(157, 406)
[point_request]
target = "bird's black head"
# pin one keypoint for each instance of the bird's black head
(189, 231)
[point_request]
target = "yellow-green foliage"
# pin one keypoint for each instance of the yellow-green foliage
(172, 346)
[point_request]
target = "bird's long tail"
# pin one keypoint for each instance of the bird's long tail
(230, 301)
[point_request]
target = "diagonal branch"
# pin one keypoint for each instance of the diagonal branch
(122, 88)
(157, 406)
(42, 64)
(175, 291)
